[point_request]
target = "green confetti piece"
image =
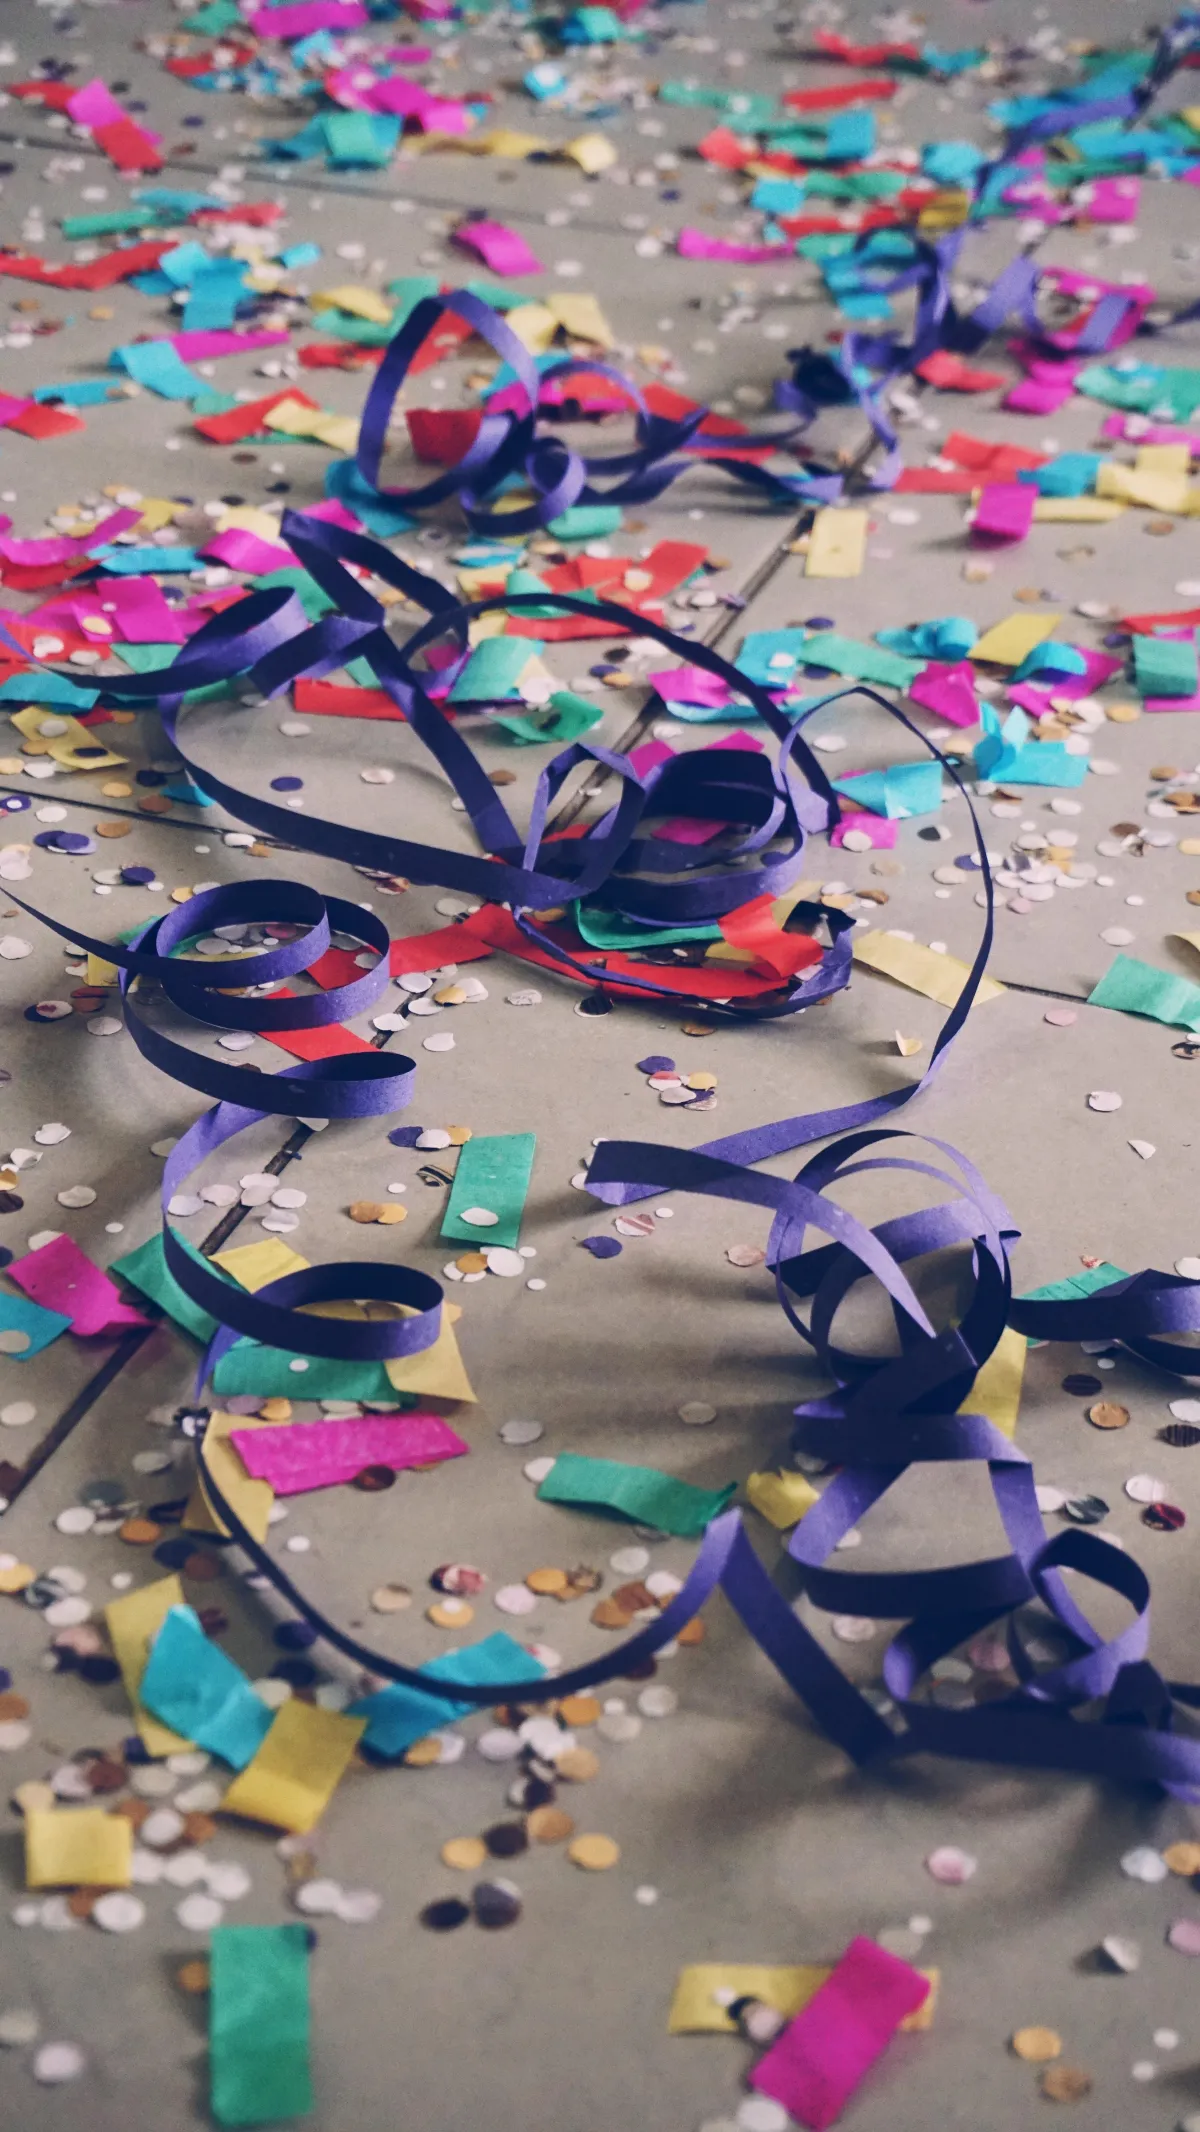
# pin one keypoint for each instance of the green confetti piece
(259, 2024)
(564, 718)
(587, 521)
(640, 1493)
(492, 1173)
(493, 670)
(1166, 666)
(861, 662)
(146, 1269)
(1134, 987)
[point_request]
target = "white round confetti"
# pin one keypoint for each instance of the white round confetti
(619, 1726)
(442, 1041)
(77, 1195)
(199, 1913)
(499, 1744)
(118, 1912)
(1104, 1099)
(696, 1413)
(13, 1342)
(12, 949)
(58, 2062)
(951, 1866)
(761, 2113)
(18, 1414)
(1144, 1488)
(318, 1898)
(479, 1217)
(227, 1880)
(629, 1561)
(853, 1628)
(515, 1599)
(77, 1519)
(1182, 1409)
(658, 1701)
(504, 1262)
(359, 1906)
(67, 1613)
(1188, 1268)
(1142, 1863)
(186, 1868)
(521, 1432)
(538, 1469)
(161, 1828)
(51, 1135)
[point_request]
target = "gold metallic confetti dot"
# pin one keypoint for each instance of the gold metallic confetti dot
(594, 1853)
(1037, 2045)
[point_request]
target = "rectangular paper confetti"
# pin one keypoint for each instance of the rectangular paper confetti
(62, 1278)
(297, 1769)
(1134, 987)
(326, 1454)
(820, 2059)
(837, 545)
(77, 1847)
(396, 1716)
(250, 1500)
(1010, 641)
(190, 1683)
(492, 1177)
(132, 1623)
(788, 1987)
(639, 1493)
(258, 2022)
(939, 977)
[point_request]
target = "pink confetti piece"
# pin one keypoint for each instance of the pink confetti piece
(206, 347)
(696, 244)
(499, 247)
(61, 1277)
(246, 551)
(306, 16)
(948, 690)
(822, 2056)
(880, 833)
(324, 1454)
(1004, 511)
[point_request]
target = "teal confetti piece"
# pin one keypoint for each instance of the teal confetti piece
(1134, 987)
(640, 1493)
(397, 1716)
(258, 2029)
(196, 1689)
(492, 1175)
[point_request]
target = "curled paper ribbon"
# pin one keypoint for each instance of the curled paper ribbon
(882, 1415)
(509, 444)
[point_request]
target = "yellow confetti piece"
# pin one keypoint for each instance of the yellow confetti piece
(253, 1265)
(1163, 459)
(132, 1623)
(1076, 511)
(249, 518)
(837, 545)
(507, 143)
(351, 296)
(939, 977)
(781, 1498)
(77, 1847)
(63, 747)
(534, 325)
(592, 152)
(439, 1371)
(1155, 491)
(100, 973)
(157, 512)
(250, 1500)
(582, 318)
(297, 1769)
(1012, 640)
(996, 1392)
(787, 1987)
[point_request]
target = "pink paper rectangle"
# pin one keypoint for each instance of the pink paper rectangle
(61, 1277)
(1136, 430)
(245, 551)
(205, 347)
(93, 106)
(696, 244)
(500, 248)
(690, 684)
(823, 2055)
(1155, 703)
(649, 755)
(325, 1454)
(11, 407)
(1004, 511)
(66, 547)
(949, 690)
(301, 19)
(1114, 200)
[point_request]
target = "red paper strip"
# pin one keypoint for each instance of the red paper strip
(950, 374)
(338, 699)
(833, 99)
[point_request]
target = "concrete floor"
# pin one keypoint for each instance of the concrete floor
(760, 1841)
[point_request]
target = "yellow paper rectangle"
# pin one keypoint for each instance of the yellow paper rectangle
(352, 297)
(438, 1372)
(788, 1987)
(592, 152)
(996, 1392)
(253, 1265)
(157, 512)
(291, 417)
(132, 1622)
(582, 318)
(297, 1769)
(62, 747)
(339, 432)
(781, 1498)
(77, 1847)
(249, 518)
(1163, 459)
(100, 973)
(507, 143)
(534, 325)
(1077, 510)
(249, 1500)
(939, 977)
(1012, 640)
(1156, 492)
(837, 545)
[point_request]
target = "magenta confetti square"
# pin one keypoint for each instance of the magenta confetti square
(323, 1454)
(823, 2055)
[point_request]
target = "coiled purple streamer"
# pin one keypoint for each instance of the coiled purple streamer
(882, 1415)
(509, 444)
